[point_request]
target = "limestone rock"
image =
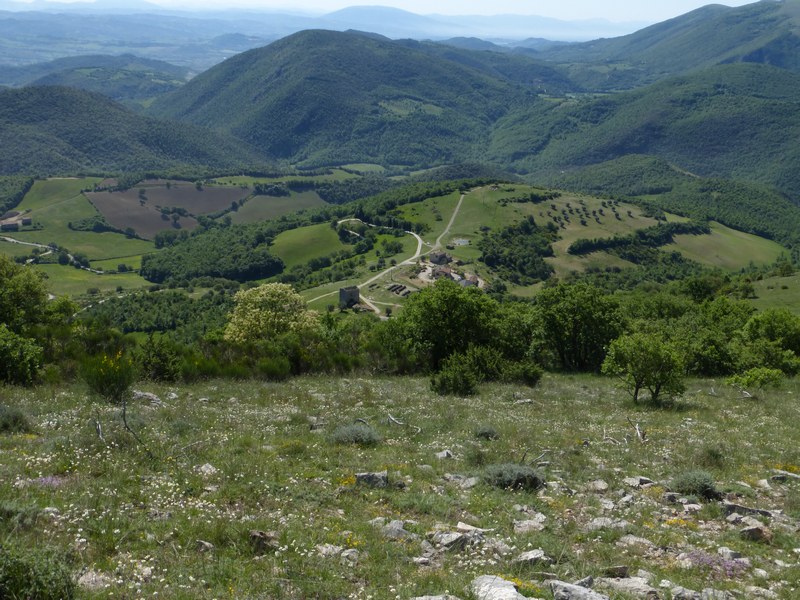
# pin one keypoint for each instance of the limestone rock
(529, 525)
(637, 482)
(632, 586)
(567, 591)
(599, 486)
(491, 587)
(207, 470)
(376, 480)
(203, 546)
(450, 541)
(264, 541)
(534, 557)
(606, 523)
(634, 541)
(93, 581)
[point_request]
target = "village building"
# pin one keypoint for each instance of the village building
(349, 297)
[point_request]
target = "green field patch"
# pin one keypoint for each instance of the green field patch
(777, 292)
(112, 264)
(362, 168)
(124, 209)
(12, 249)
(264, 208)
(298, 246)
(241, 180)
(47, 192)
(69, 281)
(433, 213)
(727, 248)
(54, 219)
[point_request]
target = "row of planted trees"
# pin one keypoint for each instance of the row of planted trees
(651, 338)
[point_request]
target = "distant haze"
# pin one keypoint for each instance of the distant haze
(612, 10)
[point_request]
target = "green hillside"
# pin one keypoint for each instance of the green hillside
(57, 130)
(731, 121)
(321, 97)
(762, 32)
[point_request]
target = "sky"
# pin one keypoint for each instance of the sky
(650, 11)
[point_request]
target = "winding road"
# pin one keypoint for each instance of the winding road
(409, 261)
(50, 250)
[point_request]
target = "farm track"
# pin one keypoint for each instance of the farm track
(409, 261)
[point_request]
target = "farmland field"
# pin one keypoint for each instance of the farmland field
(184, 194)
(54, 204)
(263, 208)
(298, 246)
(69, 281)
(727, 248)
(123, 210)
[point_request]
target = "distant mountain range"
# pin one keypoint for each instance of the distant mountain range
(43, 31)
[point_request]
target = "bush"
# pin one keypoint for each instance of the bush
(359, 434)
(695, 483)
(159, 359)
(20, 358)
(513, 476)
(109, 376)
(13, 420)
(759, 378)
(275, 368)
(457, 377)
(523, 372)
(486, 432)
(34, 575)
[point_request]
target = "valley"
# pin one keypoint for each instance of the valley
(378, 305)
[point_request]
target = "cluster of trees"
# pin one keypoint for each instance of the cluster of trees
(651, 237)
(12, 190)
(517, 252)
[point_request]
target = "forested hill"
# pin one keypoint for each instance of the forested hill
(57, 130)
(738, 121)
(320, 97)
(762, 32)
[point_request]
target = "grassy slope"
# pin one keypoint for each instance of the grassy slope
(298, 246)
(778, 292)
(727, 248)
(261, 208)
(129, 510)
(69, 281)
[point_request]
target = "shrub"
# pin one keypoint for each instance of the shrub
(513, 476)
(759, 378)
(13, 420)
(486, 432)
(359, 434)
(274, 368)
(109, 376)
(456, 378)
(20, 358)
(695, 483)
(159, 359)
(14, 515)
(523, 372)
(34, 574)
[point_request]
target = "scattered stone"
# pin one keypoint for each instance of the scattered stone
(378, 521)
(92, 581)
(758, 533)
(422, 561)
(444, 597)
(632, 586)
(491, 587)
(207, 470)
(760, 573)
(532, 558)
(586, 582)
(607, 504)
(637, 482)
(633, 541)
(599, 486)
(617, 572)
(172, 396)
(785, 474)
(728, 554)
(498, 547)
(712, 594)
(203, 546)
(396, 530)
(51, 512)
(529, 525)
(763, 484)
(567, 591)
(626, 500)
(671, 497)
(444, 454)
(264, 541)
(606, 523)
(425, 467)
(731, 508)
(465, 528)
(682, 593)
(692, 508)
(734, 518)
(147, 396)
(376, 480)
(451, 542)
(329, 550)
(465, 483)
(349, 557)
(752, 591)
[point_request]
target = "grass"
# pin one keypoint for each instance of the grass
(69, 281)
(778, 292)
(263, 208)
(133, 262)
(56, 202)
(336, 175)
(727, 248)
(298, 246)
(137, 516)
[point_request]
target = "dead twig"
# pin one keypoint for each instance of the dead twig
(391, 420)
(608, 438)
(640, 433)
(361, 421)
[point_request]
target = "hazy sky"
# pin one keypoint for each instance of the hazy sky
(613, 10)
